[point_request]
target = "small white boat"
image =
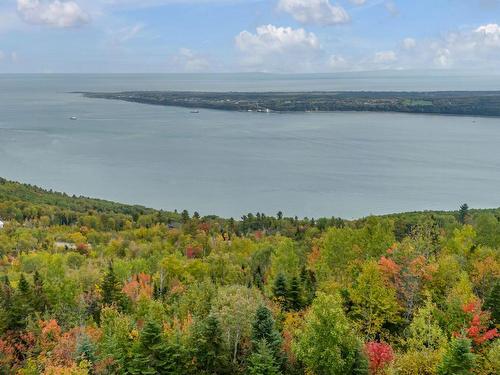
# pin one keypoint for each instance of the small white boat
(195, 111)
(73, 118)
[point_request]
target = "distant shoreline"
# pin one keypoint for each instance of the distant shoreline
(458, 103)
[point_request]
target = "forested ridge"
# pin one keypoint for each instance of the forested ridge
(93, 287)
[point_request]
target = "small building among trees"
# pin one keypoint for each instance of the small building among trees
(1, 224)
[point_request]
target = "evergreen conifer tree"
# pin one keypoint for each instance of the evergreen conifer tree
(361, 365)
(459, 359)
(111, 290)
(262, 361)
(280, 289)
(40, 302)
(492, 302)
(294, 300)
(209, 348)
(263, 328)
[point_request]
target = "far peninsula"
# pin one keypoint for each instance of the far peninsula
(464, 103)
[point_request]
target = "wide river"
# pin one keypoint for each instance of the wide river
(231, 163)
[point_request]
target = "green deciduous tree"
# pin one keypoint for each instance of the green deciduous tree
(327, 344)
(235, 307)
(424, 332)
(374, 302)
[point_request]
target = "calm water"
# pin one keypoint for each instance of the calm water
(229, 163)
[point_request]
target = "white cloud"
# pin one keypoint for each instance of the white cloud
(2, 56)
(55, 13)
(358, 2)
(274, 48)
(385, 57)
(13, 56)
(489, 34)
(409, 43)
(320, 12)
(187, 60)
(474, 48)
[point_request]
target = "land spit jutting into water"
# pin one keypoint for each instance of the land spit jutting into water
(466, 103)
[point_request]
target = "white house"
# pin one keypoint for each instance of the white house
(1, 224)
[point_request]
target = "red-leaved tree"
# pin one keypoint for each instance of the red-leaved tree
(380, 355)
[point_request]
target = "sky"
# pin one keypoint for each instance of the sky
(278, 36)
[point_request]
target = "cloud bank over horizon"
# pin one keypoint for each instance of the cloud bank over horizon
(285, 36)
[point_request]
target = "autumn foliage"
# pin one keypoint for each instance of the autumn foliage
(380, 355)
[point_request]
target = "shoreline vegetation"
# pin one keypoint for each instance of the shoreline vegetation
(461, 103)
(92, 287)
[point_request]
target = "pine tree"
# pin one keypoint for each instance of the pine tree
(294, 297)
(463, 213)
(280, 289)
(262, 361)
(209, 348)
(459, 359)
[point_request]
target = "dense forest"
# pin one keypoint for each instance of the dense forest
(93, 287)
(469, 103)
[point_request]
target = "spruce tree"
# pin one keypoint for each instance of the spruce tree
(110, 286)
(23, 287)
(40, 302)
(20, 305)
(85, 349)
(263, 328)
(294, 300)
(140, 364)
(459, 359)
(308, 280)
(262, 361)
(280, 289)
(111, 290)
(149, 353)
(209, 348)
